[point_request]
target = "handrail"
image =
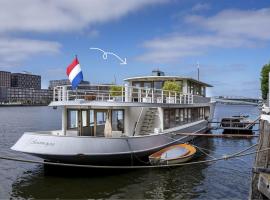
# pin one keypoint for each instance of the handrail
(136, 123)
(123, 86)
(127, 94)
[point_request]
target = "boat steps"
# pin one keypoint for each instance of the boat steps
(148, 121)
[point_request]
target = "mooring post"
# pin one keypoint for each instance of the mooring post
(260, 178)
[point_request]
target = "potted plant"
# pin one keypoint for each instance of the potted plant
(170, 88)
(116, 92)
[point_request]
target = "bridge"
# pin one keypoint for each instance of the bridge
(236, 100)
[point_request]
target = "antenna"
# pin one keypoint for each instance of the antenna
(198, 70)
(114, 79)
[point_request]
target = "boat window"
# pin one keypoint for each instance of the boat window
(195, 113)
(203, 91)
(100, 122)
(172, 118)
(181, 116)
(158, 84)
(177, 116)
(136, 84)
(201, 113)
(206, 112)
(189, 115)
(84, 118)
(166, 119)
(180, 83)
(91, 118)
(72, 119)
(147, 85)
(118, 120)
(185, 115)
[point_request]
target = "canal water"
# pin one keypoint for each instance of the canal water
(228, 179)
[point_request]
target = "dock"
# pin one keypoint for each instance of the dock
(260, 180)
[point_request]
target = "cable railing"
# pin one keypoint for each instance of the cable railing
(123, 94)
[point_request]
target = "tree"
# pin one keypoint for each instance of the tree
(171, 86)
(265, 80)
(116, 90)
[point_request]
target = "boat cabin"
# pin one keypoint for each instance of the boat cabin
(140, 107)
(128, 121)
(158, 78)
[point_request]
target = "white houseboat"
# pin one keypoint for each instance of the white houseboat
(99, 127)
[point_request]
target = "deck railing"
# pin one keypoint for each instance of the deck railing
(125, 94)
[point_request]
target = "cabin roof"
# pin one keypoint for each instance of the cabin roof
(165, 78)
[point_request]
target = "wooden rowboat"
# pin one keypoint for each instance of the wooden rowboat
(174, 154)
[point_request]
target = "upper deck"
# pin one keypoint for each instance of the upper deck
(112, 95)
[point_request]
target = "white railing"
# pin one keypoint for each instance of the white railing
(125, 94)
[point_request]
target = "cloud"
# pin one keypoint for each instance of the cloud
(63, 15)
(13, 51)
(172, 48)
(253, 24)
(48, 16)
(227, 29)
(200, 7)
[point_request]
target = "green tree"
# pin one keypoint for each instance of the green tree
(116, 90)
(265, 80)
(171, 86)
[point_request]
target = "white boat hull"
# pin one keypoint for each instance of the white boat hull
(101, 150)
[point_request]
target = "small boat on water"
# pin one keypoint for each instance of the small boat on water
(174, 154)
(237, 124)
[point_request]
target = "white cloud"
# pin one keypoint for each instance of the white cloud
(46, 16)
(254, 24)
(13, 51)
(200, 7)
(171, 48)
(227, 29)
(63, 15)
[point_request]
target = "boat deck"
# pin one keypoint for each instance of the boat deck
(126, 96)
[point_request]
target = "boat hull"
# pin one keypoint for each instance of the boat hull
(180, 160)
(101, 150)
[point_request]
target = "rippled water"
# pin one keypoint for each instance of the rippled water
(224, 179)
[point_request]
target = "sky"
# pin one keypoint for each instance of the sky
(229, 39)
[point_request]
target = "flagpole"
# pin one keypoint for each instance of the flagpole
(76, 56)
(198, 70)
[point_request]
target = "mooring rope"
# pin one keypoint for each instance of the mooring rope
(201, 150)
(227, 157)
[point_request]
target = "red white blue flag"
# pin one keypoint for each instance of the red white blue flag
(74, 73)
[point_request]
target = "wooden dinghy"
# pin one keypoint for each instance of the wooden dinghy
(174, 154)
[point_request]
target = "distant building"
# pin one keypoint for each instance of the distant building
(54, 83)
(5, 79)
(23, 88)
(24, 80)
(25, 95)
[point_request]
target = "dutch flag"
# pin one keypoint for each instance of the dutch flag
(74, 73)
